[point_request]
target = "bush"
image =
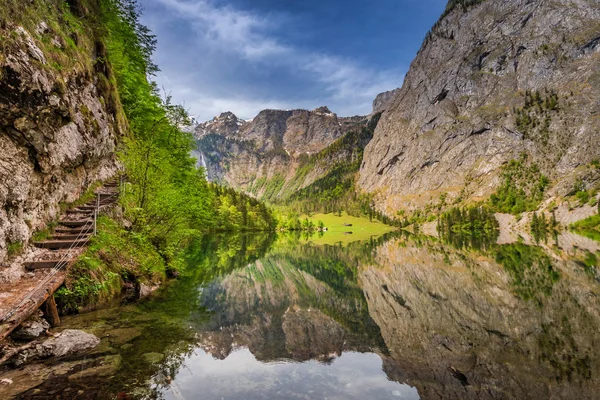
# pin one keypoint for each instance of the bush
(522, 188)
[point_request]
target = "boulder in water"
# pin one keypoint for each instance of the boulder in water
(69, 341)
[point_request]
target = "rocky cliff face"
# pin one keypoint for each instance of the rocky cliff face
(490, 82)
(58, 129)
(262, 156)
(383, 100)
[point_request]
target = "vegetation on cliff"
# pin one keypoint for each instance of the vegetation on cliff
(533, 275)
(589, 227)
(336, 190)
(167, 201)
(468, 227)
(522, 188)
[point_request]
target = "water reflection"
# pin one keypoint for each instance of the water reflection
(241, 376)
(260, 317)
(513, 323)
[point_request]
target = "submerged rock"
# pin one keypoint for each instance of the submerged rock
(153, 358)
(107, 366)
(123, 335)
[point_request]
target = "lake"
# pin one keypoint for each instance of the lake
(398, 317)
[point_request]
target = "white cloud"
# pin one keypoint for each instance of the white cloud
(229, 29)
(348, 88)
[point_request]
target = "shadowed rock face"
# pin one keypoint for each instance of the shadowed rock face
(56, 136)
(457, 326)
(454, 121)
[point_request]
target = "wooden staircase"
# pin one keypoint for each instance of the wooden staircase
(64, 245)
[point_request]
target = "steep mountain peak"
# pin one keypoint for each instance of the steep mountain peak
(323, 110)
(270, 147)
(227, 124)
(384, 100)
(226, 115)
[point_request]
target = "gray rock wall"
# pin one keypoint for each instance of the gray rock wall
(453, 123)
(56, 137)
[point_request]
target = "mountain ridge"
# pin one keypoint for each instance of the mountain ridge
(263, 156)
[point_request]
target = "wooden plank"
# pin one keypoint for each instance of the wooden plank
(77, 211)
(46, 264)
(36, 299)
(73, 224)
(60, 244)
(51, 312)
(70, 236)
(75, 231)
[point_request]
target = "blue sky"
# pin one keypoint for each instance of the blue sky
(247, 55)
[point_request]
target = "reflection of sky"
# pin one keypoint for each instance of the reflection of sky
(241, 376)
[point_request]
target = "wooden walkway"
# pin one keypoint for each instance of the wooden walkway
(46, 273)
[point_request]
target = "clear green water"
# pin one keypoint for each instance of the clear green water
(401, 317)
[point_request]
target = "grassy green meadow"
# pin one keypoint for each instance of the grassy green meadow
(362, 228)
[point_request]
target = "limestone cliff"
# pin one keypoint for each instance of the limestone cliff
(384, 100)
(491, 81)
(263, 156)
(58, 119)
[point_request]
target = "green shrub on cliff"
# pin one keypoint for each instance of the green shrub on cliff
(522, 188)
(589, 227)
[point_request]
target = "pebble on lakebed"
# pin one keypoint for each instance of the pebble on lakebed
(153, 358)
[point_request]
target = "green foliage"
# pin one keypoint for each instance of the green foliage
(541, 226)
(530, 268)
(469, 227)
(214, 255)
(168, 198)
(336, 190)
(589, 227)
(240, 212)
(590, 263)
(44, 233)
(522, 188)
(272, 187)
(114, 258)
(534, 118)
(583, 194)
(14, 249)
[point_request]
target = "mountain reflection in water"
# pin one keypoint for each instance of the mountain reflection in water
(259, 317)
